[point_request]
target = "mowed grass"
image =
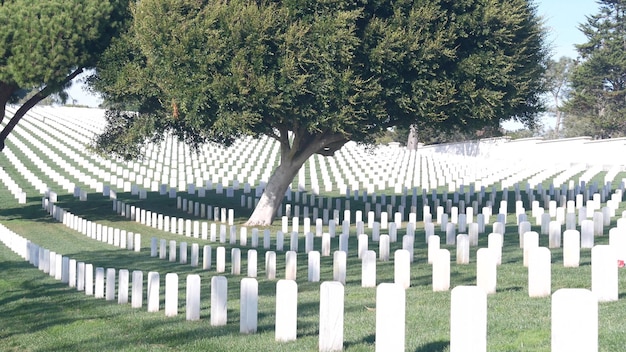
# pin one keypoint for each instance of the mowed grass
(41, 314)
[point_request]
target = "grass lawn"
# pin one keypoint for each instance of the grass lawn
(41, 314)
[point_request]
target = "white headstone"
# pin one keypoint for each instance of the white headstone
(286, 310)
(171, 294)
(390, 317)
(604, 278)
(314, 266)
(220, 259)
(571, 248)
(574, 320)
(248, 307)
(137, 289)
(441, 270)
(468, 319)
(219, 300)
(331, 316)
(539, 272)
(192, 297)
(486, 270)
(122, 291)
(291, 265)
(402, 268)
(235, 258)
(154, 284)
(270, 265)
(339, 266)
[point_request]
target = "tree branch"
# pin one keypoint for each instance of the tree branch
(6, 91)
(41, 95)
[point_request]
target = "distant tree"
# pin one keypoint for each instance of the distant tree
(558, 84)
(315, 74)
(597, 106)
(44, 44)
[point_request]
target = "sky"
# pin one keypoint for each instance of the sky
(562, 18)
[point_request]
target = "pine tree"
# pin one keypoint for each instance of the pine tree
(597, 106)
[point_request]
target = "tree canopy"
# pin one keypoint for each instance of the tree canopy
(597, 104)
(316, 74)
(44, 44)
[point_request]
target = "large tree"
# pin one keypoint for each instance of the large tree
(315, 74)
(44, 44)
(597, 105)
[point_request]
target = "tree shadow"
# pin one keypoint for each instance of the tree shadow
(437, 346)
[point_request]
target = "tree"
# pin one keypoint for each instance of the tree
(597, 106)
(44, 44)
(315, 74)
(558, 77)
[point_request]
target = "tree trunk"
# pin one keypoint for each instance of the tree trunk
(293, 154)
(6, 91)
(272, 197)
(411, 143)
(41, 95)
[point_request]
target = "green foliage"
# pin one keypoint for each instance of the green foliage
(44, 44)
(41, 42)
(597, 106)
(325, 71)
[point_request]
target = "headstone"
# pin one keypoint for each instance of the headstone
(314, 266)
(462, 249)
(171, 294)
(137, 290)
(183, 252)
(89, 289)
(248, 307)
(531, 241)
(331, 316)
(554, 233)
(441, 270)
(486, 270)
(153, 291)
(252, 262)
(122, 291)
(468, 319)
(495, 242)
(604, 278)
(192, 297)
(539, 272)
(291, 265)
(325, 244)
(206, 257)
(571, 248)
(362, 245)
(383, 248)
(99, 291)
(339, 266)
(402, 268)
(270, 265)
(433, 247)
(586, 234)
(219, 300)
(286, 310)
(450, 234)
(220, 259)
(235, 258)
(172, 251)
(80, 276)
(574, 320)
(368, 269)
(390, 317)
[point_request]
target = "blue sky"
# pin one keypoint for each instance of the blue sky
(562, 19)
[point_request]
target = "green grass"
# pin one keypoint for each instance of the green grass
(41, 314)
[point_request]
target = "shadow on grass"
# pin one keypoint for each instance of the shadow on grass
(437, 346)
